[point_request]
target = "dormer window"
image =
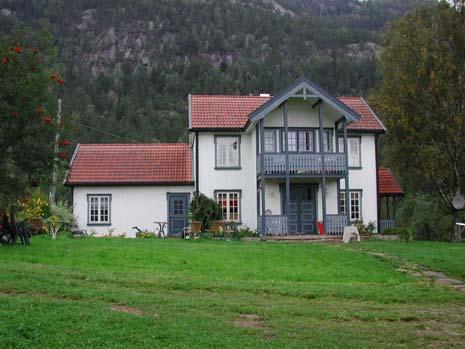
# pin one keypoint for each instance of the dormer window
(227, 152)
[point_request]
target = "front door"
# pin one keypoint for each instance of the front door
(178, 206)
(302, 209)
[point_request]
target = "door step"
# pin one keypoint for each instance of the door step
(303, 238)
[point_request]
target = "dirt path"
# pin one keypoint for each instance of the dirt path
(414, 269)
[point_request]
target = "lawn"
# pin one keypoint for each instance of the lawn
(438, 256)
(126, 293)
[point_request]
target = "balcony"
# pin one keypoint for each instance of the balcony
(302, 164)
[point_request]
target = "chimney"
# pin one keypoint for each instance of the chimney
(264, 95)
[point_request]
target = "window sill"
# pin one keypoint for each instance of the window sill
(98, 224)
(228, 168)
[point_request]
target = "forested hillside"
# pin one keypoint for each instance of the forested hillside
(129, 65)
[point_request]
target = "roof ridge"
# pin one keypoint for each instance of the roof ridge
(230, 95)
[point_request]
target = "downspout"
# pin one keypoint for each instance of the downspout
(378, 198)
(196, 163)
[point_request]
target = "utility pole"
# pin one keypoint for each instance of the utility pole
(53, 186)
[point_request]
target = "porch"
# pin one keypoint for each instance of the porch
(278, 225)
(299, 173)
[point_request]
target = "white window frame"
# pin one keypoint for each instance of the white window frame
(270, 147)
(99, 217)
(354, 214)
(232, 157)
(227, 210)
(358, 163)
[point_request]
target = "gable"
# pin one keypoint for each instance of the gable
(233, 112)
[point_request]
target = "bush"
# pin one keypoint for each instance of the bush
(146, 234)
(36, 206)
(205, 210)
(404, 234)
(424, 215)
(61, 219)
(367, 229)
(243, 233)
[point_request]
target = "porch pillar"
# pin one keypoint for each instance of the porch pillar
(323, 167)
(262, 177)
(286, 150)
(346, 187)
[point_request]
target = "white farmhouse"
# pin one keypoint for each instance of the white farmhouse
(299, 162)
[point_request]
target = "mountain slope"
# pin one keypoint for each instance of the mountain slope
(129, 65)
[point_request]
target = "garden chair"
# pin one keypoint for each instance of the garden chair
(194, 228)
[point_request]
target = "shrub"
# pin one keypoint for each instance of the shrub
(205, 210)
(243, 233)
(363, 229)
(36, 206)
(404, 234)
(61, 219)
(424, 215)
(146, 234)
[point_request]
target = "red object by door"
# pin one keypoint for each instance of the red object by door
(321, 228)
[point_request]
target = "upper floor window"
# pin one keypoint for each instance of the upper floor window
(354, 153)
(327, 141)
(298, 141)
(227, 151)
(98, 209)
(270, 141)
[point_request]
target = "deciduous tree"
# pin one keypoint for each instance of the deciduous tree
(422, 98)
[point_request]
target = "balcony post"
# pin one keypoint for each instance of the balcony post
(262, 177)
(323, 167)
(286, 150)
(346, 187)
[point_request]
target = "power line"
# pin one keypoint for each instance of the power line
(107, 133)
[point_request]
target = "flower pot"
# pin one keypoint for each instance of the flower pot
(37, 223)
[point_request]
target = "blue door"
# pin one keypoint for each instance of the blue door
(178, 209)
(302, 209)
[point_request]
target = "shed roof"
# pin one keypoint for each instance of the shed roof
(124, 164)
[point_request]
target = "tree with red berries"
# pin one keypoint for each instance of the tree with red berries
(27, 105)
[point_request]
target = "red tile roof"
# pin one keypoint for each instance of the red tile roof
(232, 112)
(114, 164)
(388, 185)
(368, 119)
(212, 112)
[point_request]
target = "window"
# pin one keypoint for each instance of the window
(178, 206)
(270, 141)
(306, 141)
(354, 152)
(227, 152)
(301, 141)
(292, 141)
(355, 158)
(327, 141)
(230, 205)
(355, 202)
(99, 209)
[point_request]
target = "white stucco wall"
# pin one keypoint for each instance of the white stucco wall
(243, 179)
(364, 179)
(130, 206)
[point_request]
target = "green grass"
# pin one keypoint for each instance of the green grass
(438, 256)
(217, 294)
